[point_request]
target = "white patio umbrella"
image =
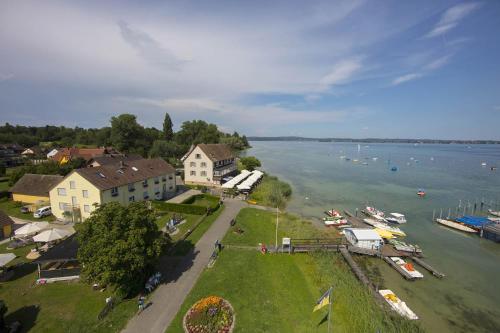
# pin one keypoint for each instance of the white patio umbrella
(51, 235)
(31, 228)
(5, 258)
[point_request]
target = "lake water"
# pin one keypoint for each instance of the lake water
(468, 298)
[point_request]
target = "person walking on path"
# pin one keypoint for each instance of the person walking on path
(140, 301)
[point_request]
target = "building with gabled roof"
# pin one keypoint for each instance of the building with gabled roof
(34, 188)
(208, 164)
(124, 182)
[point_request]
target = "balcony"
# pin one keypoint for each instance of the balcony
(224, 170)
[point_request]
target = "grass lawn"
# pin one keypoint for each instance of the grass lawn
(263, 192)
(4, 184)
(13, 208)
(276, 293)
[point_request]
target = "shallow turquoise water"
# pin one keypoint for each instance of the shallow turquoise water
(468, 299)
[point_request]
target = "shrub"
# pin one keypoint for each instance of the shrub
(180, 208)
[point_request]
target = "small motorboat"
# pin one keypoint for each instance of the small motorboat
(373, 211)
(396, 218)
(405, 247)
(336, 223)
(394, 168)
(483, 164)
(494, 213)
(397, 305)
(407, 267)
(333, 213)
(421, 193)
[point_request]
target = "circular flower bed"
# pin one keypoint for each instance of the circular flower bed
(211, 314)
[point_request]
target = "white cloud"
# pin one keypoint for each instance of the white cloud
(342, 71)
(406, 78)
(451, 18)
(438, 63)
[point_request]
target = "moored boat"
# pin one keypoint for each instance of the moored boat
(405, 247)
(384, 233)
(494, 213)
(456, 225)
(336, 223)
(407, 267)
(421, 193)
(397, 305)
(372, 211)
(396, 218)
(333, 213)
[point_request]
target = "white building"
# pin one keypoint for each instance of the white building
(207, 164)
(364, 238)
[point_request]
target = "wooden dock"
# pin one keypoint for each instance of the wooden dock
(427, 267)
(356, 222)
(401, 271)
(314, 244)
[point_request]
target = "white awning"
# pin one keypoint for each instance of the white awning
(236, 180)
(251, 180)
(52, 235)
(31, 228)
(5, 258)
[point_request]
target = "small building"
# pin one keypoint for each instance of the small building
(64, 155)
(83, 189)
(52, 153)
(364, 238)
(207, 164)
(6, 224)
(33, 188)
(59, 263)
(32, 152)
(111, 160)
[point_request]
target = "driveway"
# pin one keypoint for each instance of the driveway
(168, 298)
(183, 196)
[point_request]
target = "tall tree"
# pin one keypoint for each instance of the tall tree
(125, 131)
(119, 246)
(168, 132)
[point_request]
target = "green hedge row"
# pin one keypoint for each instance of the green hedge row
(212, 200)
(180, 208)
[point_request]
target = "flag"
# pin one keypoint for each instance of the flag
(323, 300)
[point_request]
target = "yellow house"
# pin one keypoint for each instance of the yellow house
(82, 190)
(207, 164)
(5, 225)
(33, 189)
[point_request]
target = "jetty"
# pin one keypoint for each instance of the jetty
(428, 267)
(401, 271)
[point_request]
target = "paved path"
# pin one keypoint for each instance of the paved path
(183, 196)
(168, 298)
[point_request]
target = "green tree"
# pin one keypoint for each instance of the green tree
(3, 312)
(119, 246)
(165, 149)
(125, 131)
(168, 132)
(250, 162)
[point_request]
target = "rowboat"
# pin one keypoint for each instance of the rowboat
(494, 213)
(407, 267)
(405, 247)
(397, 305)
(456, 225)
(396, 218)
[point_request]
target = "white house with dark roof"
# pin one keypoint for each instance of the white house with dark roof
(207, 164)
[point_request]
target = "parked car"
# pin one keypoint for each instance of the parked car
(41, 212)
(25, 209)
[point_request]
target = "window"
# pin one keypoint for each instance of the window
(73, 201)
(85, 193)
(145, 183)
(193, 173)
(114, 191)
(203, 164)
(146, 195)
(86, 208)
(63, 205)
(131, 187)
(171, 188)
(192, 164)
(170, 177)
(198, 156)
(157, 180)
(72, 184)
(203, 173)
(61, 192)
(163, 178)
(131, 199)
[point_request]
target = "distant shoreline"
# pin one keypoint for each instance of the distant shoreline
(373, 140)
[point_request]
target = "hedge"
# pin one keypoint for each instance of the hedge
(181, 208)
(213, 200)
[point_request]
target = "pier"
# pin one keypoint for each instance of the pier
(428, 267)
(399, 269)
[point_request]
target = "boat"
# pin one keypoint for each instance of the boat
(394, 168)
(384, 234)
(374, 158)
(421, 193)
(494, 213)
(405, 247)
(396, 218)
(373, 211)
(335, 223)
(407, 267)
(380, 225)
(370, 221)
(456, 225)
(483, 164)
(397, 305)
(494, 219)
(333, 213)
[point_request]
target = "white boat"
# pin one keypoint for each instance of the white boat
(373, 211)
(407, 267)
(335, 223)
(483, 164)
(374, 222)
(405, 247)
(397, 305)
(455, 225)
(396, 218)
(494, 219)
(494, 213)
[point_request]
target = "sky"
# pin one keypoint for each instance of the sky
(358, 69)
